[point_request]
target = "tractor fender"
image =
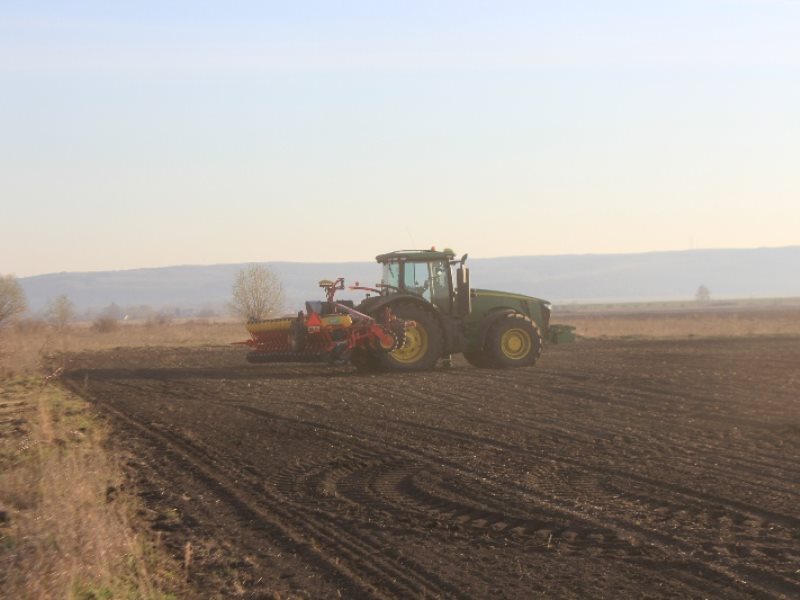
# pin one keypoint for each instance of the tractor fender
(452, 328)
(490, 319)
(378, 302)
(374, 304)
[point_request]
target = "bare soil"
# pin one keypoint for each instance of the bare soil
(652, 469)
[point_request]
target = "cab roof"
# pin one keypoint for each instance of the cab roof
(416, 255)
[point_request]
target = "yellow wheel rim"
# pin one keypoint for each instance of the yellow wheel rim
(516, 343)
(415, 348)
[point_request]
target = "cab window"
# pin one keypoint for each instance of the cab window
(391, 276)
(416, 279)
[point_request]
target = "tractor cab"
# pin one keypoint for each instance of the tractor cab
(429, 274)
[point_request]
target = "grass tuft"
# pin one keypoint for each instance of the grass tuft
(23, 350)
(628, 322)
(62, 535)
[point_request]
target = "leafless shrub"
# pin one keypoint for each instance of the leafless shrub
(29, 325)
(161, 319)
(113, 311)
(12, 298)
(703, 295)
(257, 293)
(61, 312)
(105, 324)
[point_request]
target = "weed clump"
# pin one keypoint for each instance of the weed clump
(105, 324)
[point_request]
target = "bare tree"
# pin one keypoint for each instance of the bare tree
(12, 298)
(61, 311)
(113, 311)
(703, 294)
(257, 293)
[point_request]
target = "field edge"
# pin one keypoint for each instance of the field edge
(68, 517)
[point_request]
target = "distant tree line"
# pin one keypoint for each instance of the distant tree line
(257, 294)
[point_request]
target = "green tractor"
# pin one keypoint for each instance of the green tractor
(432, 289)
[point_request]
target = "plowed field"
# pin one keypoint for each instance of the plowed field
(662, 469)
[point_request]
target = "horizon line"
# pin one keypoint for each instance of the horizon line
(573, 254)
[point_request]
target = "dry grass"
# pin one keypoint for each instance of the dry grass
(65, 531)
(65, 521)
(23, 348)
(682, 324)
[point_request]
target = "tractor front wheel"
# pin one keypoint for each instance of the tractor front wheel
(512, 341)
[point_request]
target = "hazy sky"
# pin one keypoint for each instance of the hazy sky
(162, 133)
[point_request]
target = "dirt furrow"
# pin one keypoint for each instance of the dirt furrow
(613, 468)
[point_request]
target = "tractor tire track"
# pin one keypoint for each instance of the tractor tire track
(615, 469)
(367, 570)
(592, 528)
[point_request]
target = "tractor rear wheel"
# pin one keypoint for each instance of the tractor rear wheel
(512, 341)
(423, 345)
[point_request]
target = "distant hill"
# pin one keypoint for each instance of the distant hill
(740, 273)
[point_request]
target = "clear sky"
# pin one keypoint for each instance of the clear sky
(158, 133)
